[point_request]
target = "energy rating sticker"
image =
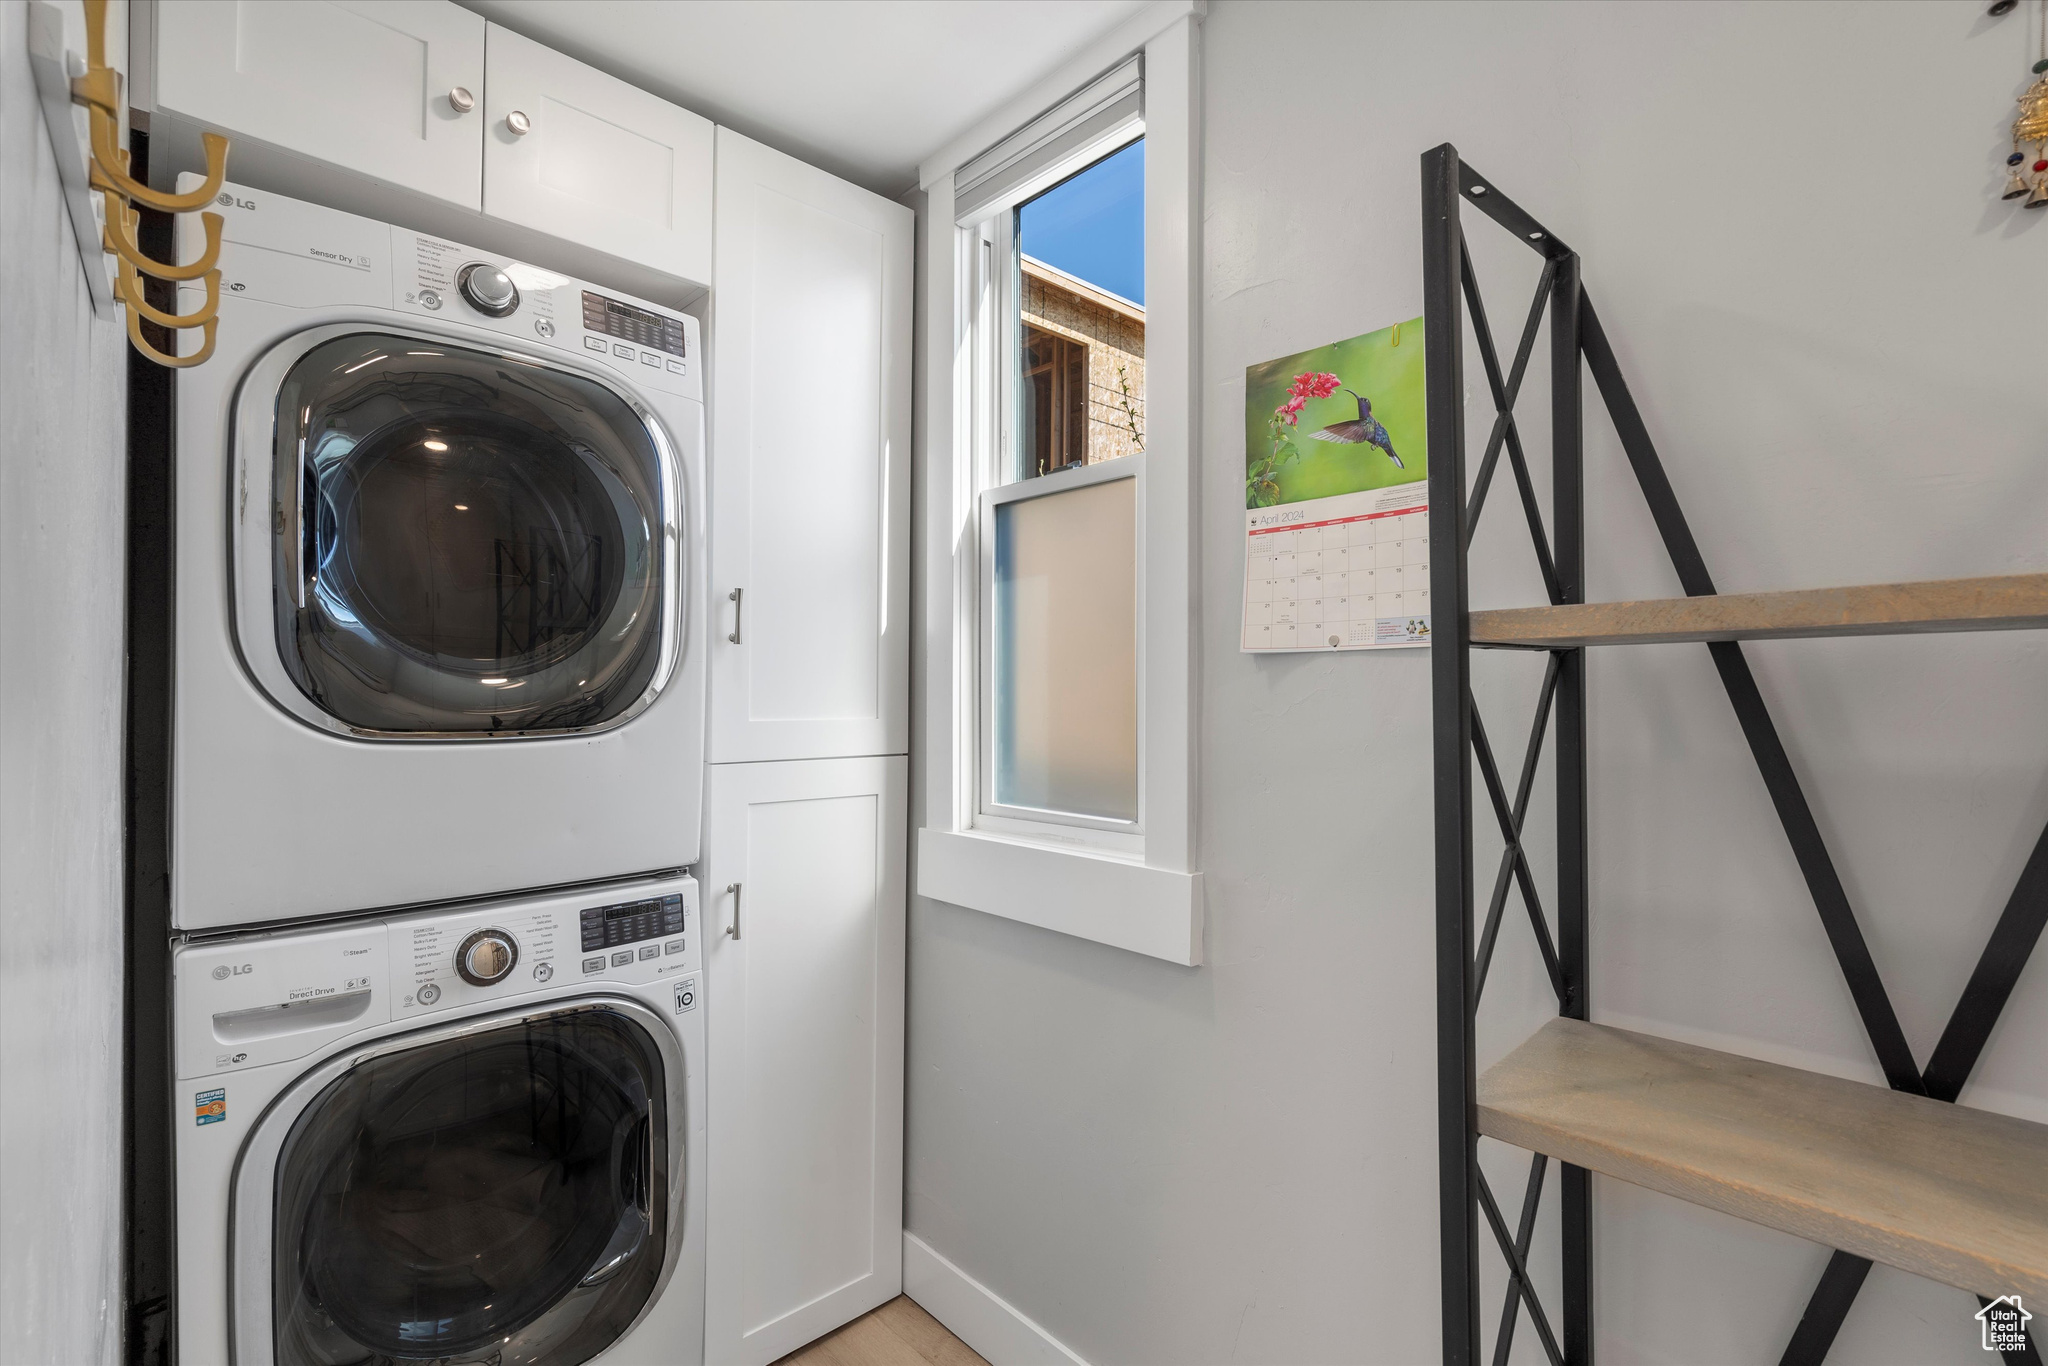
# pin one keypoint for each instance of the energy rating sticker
(210, 1107)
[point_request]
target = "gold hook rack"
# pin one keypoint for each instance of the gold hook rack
(99, 91)
(122, 222)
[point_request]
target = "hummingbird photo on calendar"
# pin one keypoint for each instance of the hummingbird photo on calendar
(1364, 429)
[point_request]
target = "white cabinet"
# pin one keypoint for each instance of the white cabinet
(810, 462)
(578, 154)
(803, 920)
(361, 84)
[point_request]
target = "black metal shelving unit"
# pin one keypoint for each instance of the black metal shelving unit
(1466, 939)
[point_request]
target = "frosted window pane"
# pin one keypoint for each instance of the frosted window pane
(1066, 660)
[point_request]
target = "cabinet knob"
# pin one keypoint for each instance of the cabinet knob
(460, 100)
(519, 124)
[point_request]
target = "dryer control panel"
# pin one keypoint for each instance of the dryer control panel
(652, 346)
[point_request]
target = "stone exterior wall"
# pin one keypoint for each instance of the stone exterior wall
(1113, 330)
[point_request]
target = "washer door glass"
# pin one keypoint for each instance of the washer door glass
(498, 1198)
(465, 543)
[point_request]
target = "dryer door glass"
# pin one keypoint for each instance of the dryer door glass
(501, 1197)
(465, 543)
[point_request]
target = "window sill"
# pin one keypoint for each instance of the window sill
(1091, 896)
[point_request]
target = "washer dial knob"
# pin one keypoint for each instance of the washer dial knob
(487, 957)
(488, 289)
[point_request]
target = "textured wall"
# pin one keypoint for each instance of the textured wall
(1789, 221)
(62, 482)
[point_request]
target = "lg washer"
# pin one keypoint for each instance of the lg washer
(440, 609)
(463, 1137)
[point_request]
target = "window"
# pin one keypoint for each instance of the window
(1057, 601)
(1058, 466)
(1081, 291)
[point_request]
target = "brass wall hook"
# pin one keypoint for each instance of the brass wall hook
(110, 169)
(98, 88)
(131, 291)
(120, 239)
(149, 352)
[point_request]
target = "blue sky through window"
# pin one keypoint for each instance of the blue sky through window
(1093, 225)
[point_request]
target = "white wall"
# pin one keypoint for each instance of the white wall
(1789, 221)
(62, 539)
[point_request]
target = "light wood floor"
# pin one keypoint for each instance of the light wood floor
(899, 1333)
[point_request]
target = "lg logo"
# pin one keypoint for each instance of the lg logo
(228, 201)
(224, 971)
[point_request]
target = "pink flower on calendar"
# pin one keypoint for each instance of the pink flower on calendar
(1314, 384)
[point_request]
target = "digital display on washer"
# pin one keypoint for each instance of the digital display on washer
(628, 323)
(628, 922)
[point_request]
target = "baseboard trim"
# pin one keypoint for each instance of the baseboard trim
(977, 1315)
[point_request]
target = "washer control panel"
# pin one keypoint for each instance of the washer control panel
(250, 1000)
(629, 922)
(441, 961)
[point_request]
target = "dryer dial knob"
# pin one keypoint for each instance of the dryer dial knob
(487, 957)
(488, 289)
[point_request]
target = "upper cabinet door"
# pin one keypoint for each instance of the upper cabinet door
(573, 152)
(373, 86)
(810, 463)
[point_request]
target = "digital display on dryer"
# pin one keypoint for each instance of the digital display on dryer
(627, 323)
(628, 922)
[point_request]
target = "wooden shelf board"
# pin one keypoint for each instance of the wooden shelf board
(1951, 1193)
(2008, 602)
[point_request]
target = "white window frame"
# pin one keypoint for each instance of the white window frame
(1132, 886)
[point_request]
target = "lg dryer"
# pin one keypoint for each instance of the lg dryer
(440, 563)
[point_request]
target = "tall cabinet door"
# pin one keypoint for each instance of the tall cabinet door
(803, 922)
(572, 151)
(810, 463)
(376, 86)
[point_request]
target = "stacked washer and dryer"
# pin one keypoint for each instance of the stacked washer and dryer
(437, 771)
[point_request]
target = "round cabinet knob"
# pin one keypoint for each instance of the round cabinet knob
(460, 100)
(487, 957)
(518, 123)
(488, 289)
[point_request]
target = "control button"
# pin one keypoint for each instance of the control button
(543, 971)
(488, 289)
(542, 327)
(672, 946)
(428, 994)
(676, 367)
(486, 957)
(622, 351)
(649, 358)
(593, 965)
(651, 951)
(430, 299)
(596, 344)
(620, 960)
